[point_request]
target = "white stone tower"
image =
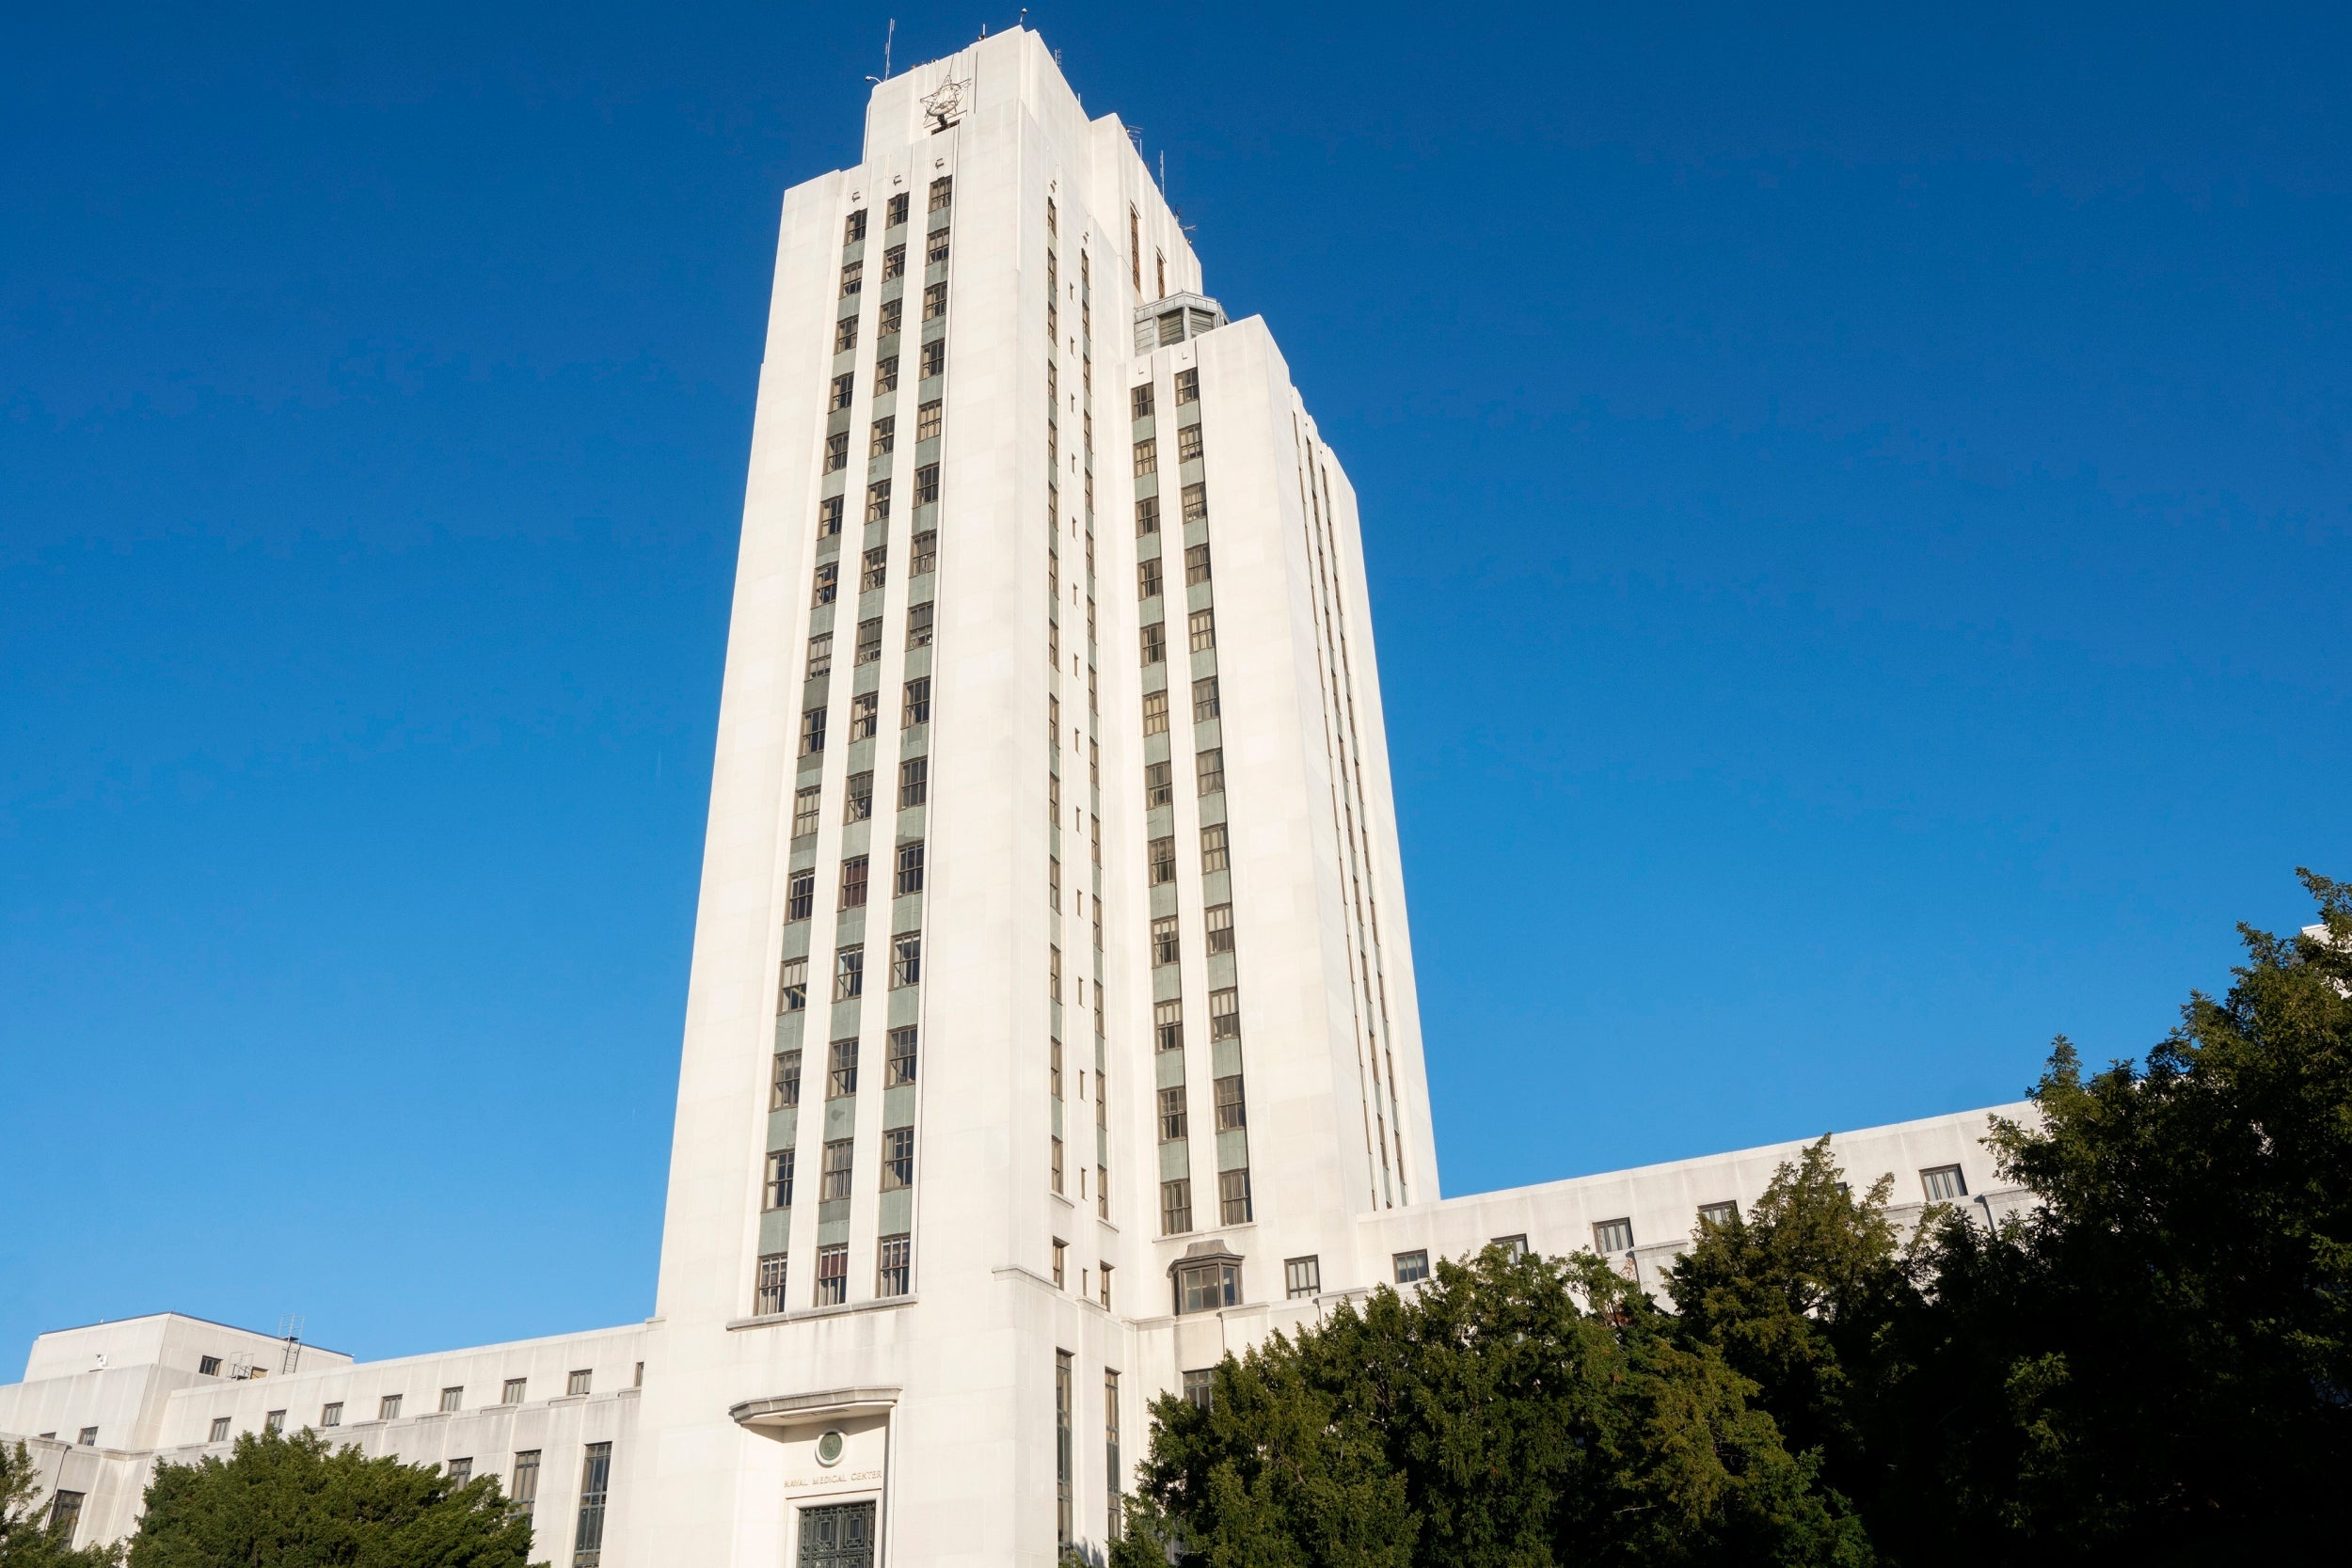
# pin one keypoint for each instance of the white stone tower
(1052, 1015)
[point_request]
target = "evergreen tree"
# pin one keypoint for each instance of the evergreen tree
(1514, 1410)
(292, 1502)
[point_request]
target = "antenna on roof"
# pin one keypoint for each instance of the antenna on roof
(887, 36)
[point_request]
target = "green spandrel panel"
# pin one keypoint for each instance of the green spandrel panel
(840, 1114)
(1224, 1057)
(775, 1230)
(898, 1106)
(789, 1028)
(1220, 971)
(1168, 1068)
(1056, 1102)
(832, 1232)
(844, 1017)
(895, 1215)
(1218, 888)
(1232, 1149)
(1163, 900)
(1175, 1161)
(782, 1127)
(906, 1005)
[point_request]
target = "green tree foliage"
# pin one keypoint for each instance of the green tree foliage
(2151, 1366)
(27, 1540)
(1516, 1412)
(292, 1502)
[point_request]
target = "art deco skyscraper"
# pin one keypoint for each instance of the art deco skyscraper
(1052, 1014)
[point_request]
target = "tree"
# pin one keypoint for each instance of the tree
(291, 1502)
(1516, 1411)
(27, 1540)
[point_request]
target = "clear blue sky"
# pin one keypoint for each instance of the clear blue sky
(1857, 509)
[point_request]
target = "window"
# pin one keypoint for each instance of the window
(935, 248)
(915, 778)
(1167, 1024)
(1064, 1524)
(1171, 1118)
(926, 484)
(853, 230)
(942, 191)
(853, 882)
(934, 358)
(896, 211)
(927, 420)
(579, 1381)
(1139, 402)
(1207, 1286)
(1411, 1266)
(220, 1429)
(524, 1490)
(1160, 861)
(877, 511)
(883, 438)
(1714, 1216)
(1147, 456)
(840, 1068)
(1055, 1174)
(595, 1474)
(1175, 1207)
(1155, 713)
(812, 731)
(767, 1294)
(849, 974)
(777, 1188)
(844, 388)
(828, 513)
(889, 324)
(827, 586)
(1148, 578)
(934, 301)
(388, 1408)
(1194, 500)
(800, 896)
(918, 709)
(1154, 641)
(1061, 1263)
(1103, 1295)
(1232, 1196)
(852, 276)
(1187, 386)
(899, 1062)
(1158, 785)
(1195, 563)
(1187, 443)
(784, 1091)
(65, 1512)
(910, 878)
(1944, 1185)
(1232, 1115)
(1165, 941)
(864, 715)
(1103, 1200)
(511, 1391)
(894, 262)
(857, 799)
(924, 554)
(820, 655)
(1053, 1068)
(844, 340)
(1219, 919)
(897, 1169)
(1147, 515)
(1514, 1247)
(1204, 701)
(1613, 1236)
(452, 1399)
(1053, 973)
(272, 1422)
(869, 639)
(207, 1366)
(834, 1182)
(331, 1414)
(460, 1472)
(885, 373)
(1302, 1278)
(1209, 766)
(894, 1258)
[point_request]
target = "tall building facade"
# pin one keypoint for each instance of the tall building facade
(1052, 1029)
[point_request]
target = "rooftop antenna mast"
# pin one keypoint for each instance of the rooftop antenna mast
(889, 35)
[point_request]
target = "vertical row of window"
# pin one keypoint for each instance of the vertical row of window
(1384, 1133)
(1163, 688)
(904, 864)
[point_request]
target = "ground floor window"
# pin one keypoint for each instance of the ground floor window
(839, 1536)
